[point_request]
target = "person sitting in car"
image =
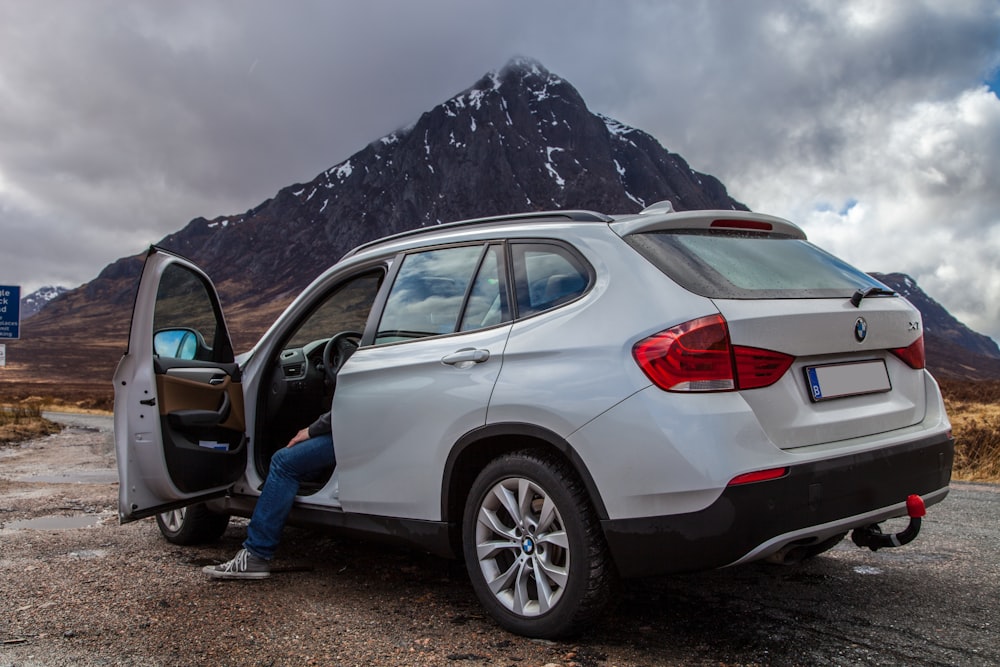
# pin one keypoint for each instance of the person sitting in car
(309, 450)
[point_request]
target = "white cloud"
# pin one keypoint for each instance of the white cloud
(927, 201)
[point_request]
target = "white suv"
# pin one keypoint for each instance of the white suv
(561, 398)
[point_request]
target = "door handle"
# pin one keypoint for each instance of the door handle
(467, 357)
(202, 418)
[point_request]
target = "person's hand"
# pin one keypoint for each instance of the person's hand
(299, 437)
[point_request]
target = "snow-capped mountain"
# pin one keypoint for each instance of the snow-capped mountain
(520, 139)
(38, 299)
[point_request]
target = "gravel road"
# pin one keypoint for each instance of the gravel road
(78, 589)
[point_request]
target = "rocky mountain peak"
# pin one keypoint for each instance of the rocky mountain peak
(519, 139)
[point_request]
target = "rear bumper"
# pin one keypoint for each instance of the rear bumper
(816, 499)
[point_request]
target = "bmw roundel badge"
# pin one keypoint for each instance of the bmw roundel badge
(860, 330)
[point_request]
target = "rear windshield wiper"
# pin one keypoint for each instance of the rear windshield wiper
(871, 291)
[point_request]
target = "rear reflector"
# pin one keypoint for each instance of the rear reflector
(756, 225)
(758, 476)
(912, 355)
(698, 356)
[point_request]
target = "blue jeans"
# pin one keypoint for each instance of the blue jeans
(289, 467)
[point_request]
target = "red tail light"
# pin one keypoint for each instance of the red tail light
(759, 368)
(698, 356)
(912, 355)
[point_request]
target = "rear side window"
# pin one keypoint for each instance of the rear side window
(743, 265)
(465, 288)
(546, 275)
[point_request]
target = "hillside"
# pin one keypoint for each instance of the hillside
(954, 351)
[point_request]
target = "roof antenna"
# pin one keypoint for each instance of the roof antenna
(659, 207)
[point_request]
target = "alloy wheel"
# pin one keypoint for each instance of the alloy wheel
(522, 547)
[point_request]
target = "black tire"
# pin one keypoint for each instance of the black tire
(529, 528)
(190, 525)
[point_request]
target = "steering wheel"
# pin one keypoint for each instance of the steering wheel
(338, 349)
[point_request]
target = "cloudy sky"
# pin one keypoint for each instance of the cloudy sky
(875, 125)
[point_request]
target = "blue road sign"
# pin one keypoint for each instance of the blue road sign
(10, 312)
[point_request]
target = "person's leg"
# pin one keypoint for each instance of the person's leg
(289, 466)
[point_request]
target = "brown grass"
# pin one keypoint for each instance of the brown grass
(974, 410)
(23, 421)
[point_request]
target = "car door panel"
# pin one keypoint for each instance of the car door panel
(179, 422)
(196, 416)
(397, 413)
(217, 395)
(403, 402)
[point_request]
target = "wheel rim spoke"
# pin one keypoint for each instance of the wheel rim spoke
(548, 572)
(522, 597)
(509, 502)
(490, 519)
(547, 516)
(174, 519)
(546, 593)
(557, 538)
(493, 548)
(524, 496)
(503, 581)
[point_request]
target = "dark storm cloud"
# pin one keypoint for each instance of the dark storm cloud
(123, 120)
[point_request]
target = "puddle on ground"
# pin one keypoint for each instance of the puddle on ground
(76, 477)
(54, 522)
(88, 553)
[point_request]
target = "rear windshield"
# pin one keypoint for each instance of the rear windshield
(749, 265)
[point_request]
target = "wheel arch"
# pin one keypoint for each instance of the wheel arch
(476, 448)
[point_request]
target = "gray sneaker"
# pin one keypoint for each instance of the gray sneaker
(244, 565)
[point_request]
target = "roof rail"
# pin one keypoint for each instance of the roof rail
(572, 215)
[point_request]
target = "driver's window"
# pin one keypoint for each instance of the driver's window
(346, 309)
(186, 321)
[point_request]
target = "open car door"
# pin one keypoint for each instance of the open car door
(179, 419)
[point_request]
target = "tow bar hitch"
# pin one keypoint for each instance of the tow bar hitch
(871, 536)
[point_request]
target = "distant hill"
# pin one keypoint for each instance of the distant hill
(38, 299)
(954, 351)
(520, 139)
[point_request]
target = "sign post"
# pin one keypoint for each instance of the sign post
(10, 312)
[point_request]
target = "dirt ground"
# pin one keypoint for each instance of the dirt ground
(77, 588)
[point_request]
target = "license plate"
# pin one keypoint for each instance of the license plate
(850, 379)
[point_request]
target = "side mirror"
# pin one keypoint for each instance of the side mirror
(186, 344)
